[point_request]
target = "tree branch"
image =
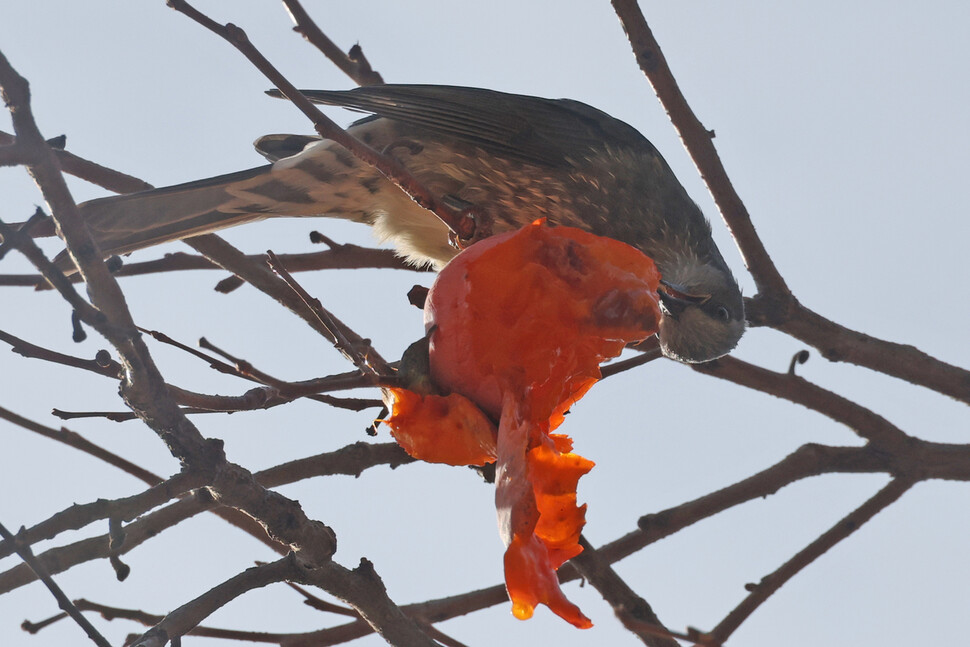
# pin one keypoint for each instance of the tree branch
(773, 581)
(189, 615)
(698, 141)
(355, 64)
(775, 305)
(793, 388)
(62, 600)
(90, 171)
(632, 610)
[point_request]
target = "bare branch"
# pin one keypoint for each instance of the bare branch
(773, 581)
(78, 516)
(52, 275)
(341, 257)
(357, 350)
(320, 604)
(92, 172)
(837, 343)
(263, 279)
(632, 610)
(148, 619)
(363, 589)
(278, 391)
(189, 615)
(62, 600)
(649, 351)
(775, 305)
(354, 65)
(789, 386)
(924, 460)
(209, 483)
(699, 143)
(75, 440)
(102, 364)
(351, 460)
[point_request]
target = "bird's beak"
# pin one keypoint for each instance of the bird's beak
(675, 298)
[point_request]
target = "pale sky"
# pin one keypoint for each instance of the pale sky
(843, 127)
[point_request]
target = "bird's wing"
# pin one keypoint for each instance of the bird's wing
(549, 131)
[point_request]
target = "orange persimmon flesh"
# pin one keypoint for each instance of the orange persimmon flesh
(460, 433)
(518, 325)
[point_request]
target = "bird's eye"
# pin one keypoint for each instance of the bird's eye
(722, 313)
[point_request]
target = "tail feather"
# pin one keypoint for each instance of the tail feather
(125, 223)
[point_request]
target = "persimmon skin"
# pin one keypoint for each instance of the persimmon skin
(501, 310)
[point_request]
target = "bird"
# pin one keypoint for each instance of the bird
(520, 158)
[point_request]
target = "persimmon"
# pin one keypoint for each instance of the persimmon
(518, 324)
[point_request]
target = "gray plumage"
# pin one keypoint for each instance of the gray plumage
(517, 157)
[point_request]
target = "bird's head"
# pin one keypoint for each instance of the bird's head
(702, 313)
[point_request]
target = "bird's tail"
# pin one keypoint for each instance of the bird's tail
(298, 186)
(125, 223)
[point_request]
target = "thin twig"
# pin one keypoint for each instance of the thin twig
(773, 581)
(90, 171)
(262, 278)
(794, 388)
(34, 627)
(75, 440)
(125, 509)
(837, 343)
(925, 460)
(189, 615)
(62, 600)
(357, 351)
(320, 604)
(102, 364)
(122, 508)
(343, 257)
(149, 619)
(52, 275)
(278, 392)
(354, 65)
(650, 350)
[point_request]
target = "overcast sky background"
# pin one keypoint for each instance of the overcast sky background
(844, 129)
